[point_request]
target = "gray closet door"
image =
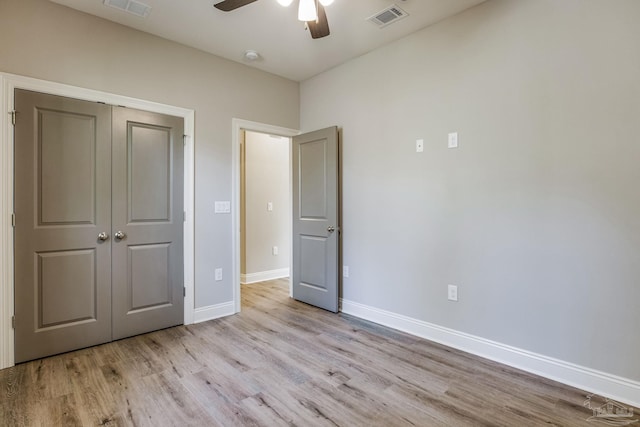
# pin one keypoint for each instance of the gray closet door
(147, 222)
(62, 204)
(316, 218)
(99, 220)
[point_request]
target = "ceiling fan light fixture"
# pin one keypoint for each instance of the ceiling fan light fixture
(307, 11)
(326, 2)
(285, 3)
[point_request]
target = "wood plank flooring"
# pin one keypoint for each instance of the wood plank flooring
(280, 363)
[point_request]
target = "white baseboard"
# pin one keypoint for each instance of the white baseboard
(211, 312)
(604, 384)
(261, 276)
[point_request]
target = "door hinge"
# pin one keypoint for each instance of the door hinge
(13, 220)
(184, 139)
(13, 322)
(184, 216)
(13, 117)
(184, 291)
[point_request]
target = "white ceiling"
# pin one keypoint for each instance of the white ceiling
(286, 48)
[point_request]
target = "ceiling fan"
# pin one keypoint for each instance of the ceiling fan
(309, 11)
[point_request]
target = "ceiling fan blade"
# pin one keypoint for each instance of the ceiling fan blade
(319, 28)
(229, 5)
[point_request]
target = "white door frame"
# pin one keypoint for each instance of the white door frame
(9, 82)
(238, 126)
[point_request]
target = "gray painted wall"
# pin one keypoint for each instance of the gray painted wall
(266, 171)
(47, 41)
(536, 216)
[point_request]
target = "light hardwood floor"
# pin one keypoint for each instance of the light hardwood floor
(278, 363)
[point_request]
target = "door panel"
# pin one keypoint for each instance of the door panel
(150, 173)
(65, 137)
(148, 209)
(313, 273)
(65, 277)
(62, 201)
(313, 180)
(150, 278)
(316, 218)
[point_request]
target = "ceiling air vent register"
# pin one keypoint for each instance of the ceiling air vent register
(130, 6)
(388, 16)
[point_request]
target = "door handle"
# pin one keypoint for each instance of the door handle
(119, 235)
(103, 236)
(331, 229)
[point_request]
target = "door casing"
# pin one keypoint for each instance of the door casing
(10, 82)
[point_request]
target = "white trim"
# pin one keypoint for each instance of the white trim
(602, 383)
(188, 239)
(202, 314)
(237, 127)
(9, 82)
(261, 276)
(6, 229)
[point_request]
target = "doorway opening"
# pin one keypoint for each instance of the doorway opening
(315, 217)
(265, 207)
(239, 130)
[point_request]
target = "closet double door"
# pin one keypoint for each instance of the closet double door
(98, 223)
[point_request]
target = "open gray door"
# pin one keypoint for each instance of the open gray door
(63, 222)
(316, 230)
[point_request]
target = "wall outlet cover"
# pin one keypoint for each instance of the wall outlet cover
(453, 140)
(452, 293)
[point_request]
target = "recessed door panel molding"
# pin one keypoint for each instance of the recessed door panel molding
(150, 276)
(312, 272)
(149, 160)
(316, 220)
(66, 164)
(67, 288)
(312, 174)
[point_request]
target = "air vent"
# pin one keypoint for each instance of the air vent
(388, 16)
(131, 6)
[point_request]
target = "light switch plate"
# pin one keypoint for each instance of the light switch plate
(270, 206)
(419, 145)
(218, 274)
(452, 293)
(345, 271)
(453, 140)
